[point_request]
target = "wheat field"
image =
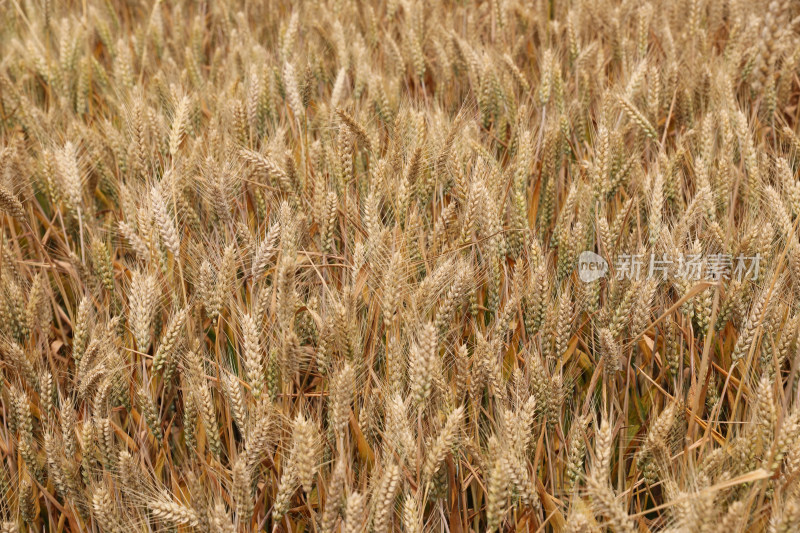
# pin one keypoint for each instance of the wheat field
(447, 266)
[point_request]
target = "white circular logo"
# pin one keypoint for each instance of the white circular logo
(591, 266)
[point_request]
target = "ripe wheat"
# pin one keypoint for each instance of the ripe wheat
(317, 266)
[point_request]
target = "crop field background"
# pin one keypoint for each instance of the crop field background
(424, 266)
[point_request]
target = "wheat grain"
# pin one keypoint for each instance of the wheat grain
(254, 248)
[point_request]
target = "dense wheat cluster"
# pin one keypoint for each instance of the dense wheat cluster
(323, 266)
